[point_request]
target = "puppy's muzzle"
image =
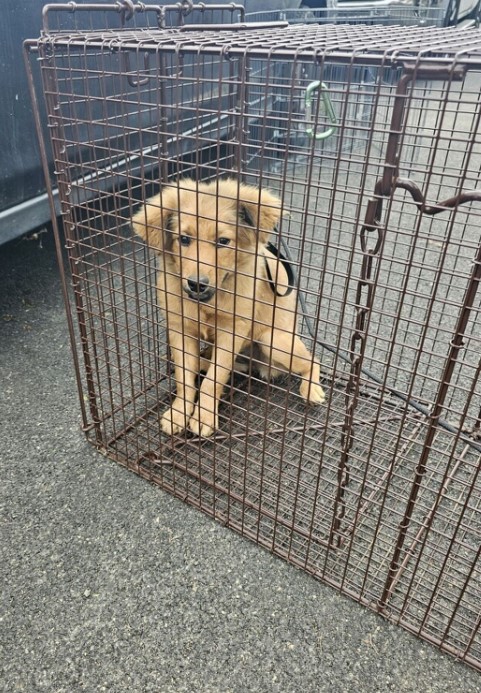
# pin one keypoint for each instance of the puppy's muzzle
(199, 288)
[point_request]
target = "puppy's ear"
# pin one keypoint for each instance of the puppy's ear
(154, 220)
(259, 210)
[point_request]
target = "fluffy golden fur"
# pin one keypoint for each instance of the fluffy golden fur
(213, 287)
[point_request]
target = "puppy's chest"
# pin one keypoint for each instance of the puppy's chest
(205, 323)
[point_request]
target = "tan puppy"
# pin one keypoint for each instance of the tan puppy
(213, 285)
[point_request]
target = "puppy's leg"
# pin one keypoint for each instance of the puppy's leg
(265, 368)
(185, 354)
(290, 352)
(205, 418)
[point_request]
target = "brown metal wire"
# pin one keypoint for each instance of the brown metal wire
(376, 492)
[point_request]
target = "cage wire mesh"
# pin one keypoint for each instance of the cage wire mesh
(370, 137)
(427, 13)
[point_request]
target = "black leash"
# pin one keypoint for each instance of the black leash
(291, 279)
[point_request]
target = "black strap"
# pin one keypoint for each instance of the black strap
(291, 280)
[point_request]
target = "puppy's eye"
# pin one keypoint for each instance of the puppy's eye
(223, 241)
(185, 240)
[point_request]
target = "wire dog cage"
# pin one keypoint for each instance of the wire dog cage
(370, 139)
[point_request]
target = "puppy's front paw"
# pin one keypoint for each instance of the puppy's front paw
(312, 392)
(175, 419)
(203, 422)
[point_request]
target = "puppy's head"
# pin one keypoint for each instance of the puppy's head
(209, 230)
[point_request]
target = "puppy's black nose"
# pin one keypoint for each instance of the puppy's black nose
(198, 285)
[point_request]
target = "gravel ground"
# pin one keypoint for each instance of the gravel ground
(109, 584)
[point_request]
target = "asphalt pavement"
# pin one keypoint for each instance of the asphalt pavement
(110, 584)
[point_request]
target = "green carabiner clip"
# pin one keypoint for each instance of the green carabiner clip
(328, 110)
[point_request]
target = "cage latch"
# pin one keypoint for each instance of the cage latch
(327, 106)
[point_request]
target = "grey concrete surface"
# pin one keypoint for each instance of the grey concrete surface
(109, 584)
